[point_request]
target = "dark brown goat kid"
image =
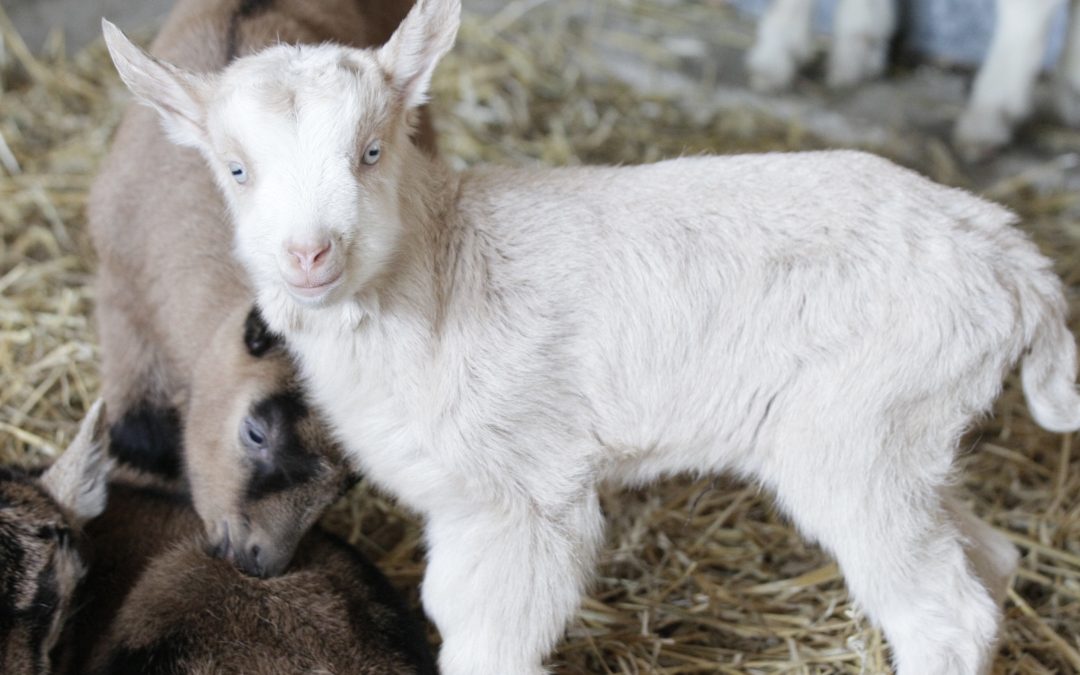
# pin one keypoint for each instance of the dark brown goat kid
(131, 589)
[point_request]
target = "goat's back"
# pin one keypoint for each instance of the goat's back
(331, 612)
(140, 522)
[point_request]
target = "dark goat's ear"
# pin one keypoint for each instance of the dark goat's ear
(258, 338)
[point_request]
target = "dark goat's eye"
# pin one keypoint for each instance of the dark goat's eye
(254, 435)
(238, 172)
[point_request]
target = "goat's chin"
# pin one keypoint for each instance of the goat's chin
(317, 297)
(310, 298)
(343, 306)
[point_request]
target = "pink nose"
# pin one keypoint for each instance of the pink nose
(309, 257)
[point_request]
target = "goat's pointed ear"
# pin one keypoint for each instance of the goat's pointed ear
(425, 35)
(179, 96)
(79, 479)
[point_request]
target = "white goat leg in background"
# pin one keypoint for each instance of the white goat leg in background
(862, 30)
(1067, 76)
(860, 47)
(1002, 93)
(784, 44)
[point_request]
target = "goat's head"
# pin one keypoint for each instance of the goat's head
(261, 462)
(40, 565)
(309, 145)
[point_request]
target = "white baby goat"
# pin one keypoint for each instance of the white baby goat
(493, 344)
(1001, 96)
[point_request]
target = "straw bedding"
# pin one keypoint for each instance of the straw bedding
(697, 576)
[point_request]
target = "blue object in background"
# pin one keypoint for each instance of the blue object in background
(953, 31)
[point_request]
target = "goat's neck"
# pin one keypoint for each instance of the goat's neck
(412, 289)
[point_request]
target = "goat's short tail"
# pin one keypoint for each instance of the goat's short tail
(1049, 376)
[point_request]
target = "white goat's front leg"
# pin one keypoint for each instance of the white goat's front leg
(862, 30)
(784, 44)
(881, 509)
(1002, 93)
(1067, 76)
(503, 581)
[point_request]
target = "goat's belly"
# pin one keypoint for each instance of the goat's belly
(703, 418)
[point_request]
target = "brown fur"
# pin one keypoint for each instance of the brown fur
(34, 570)
(154, 602)
(167, 279)
(41, 514)
(309, 473)
(143, 519)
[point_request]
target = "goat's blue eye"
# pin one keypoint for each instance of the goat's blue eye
(371, 154)
(238, 171)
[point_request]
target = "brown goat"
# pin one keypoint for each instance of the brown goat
(153, 601)
(169, 290)
(132, 590)
(332, 611)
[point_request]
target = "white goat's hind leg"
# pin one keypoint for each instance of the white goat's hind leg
(502, 583)
(862, 30)
(901, 553)
(784, 44)
(1002, 94)
(1067, 76)
(993, 557)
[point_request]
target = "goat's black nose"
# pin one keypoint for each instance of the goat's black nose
(249, 561)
